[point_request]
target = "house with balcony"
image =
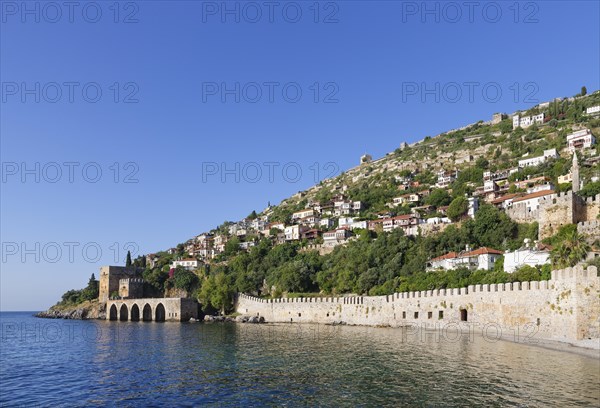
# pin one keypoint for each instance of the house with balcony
(582, 139)
(336, 237)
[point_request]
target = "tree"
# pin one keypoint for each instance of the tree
(570, 251)
(438, 198)
(590, 189)
(252, 215)
(184, 279)
(128, 260)
(583, 91)
(458, 208)
(92, 289)
(217, 292)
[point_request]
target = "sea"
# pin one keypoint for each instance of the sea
(74, 363)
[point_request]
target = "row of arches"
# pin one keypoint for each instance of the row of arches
(124, 314)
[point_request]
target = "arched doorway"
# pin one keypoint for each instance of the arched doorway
(159, 314)
(123, 313)
(113, 313)
(147, 313)
(135, 313)
(463, 315)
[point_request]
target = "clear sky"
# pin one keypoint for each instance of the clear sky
(191, 88)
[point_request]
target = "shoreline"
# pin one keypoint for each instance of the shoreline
(586, 348)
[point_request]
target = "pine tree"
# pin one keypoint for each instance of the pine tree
(128, 261)
(583, 91)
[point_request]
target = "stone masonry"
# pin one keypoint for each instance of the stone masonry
(565, 308)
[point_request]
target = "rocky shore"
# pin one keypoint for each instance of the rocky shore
(83, 311)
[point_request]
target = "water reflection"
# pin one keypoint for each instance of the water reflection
(136, 363)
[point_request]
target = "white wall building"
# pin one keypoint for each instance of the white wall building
(582, 139)
(593, 110)
(482, 258)
(527, 121)
(536, 161)
(189, 263)
(525, 256)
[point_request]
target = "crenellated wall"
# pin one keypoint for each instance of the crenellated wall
(565, 308)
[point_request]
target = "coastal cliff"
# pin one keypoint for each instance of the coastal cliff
(90, 309)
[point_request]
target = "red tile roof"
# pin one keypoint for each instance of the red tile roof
(477, 252)
(533, 195)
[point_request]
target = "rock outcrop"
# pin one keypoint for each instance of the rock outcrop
(83, 311)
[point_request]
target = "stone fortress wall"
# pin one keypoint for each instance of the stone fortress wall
(556, 210)
(110, 278)
(565, 308)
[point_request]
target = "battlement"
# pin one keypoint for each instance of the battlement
(565, 197)
(577, 272)
(593, 200)
(564, 308)
(130, 281)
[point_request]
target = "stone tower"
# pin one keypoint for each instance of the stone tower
(575, 174)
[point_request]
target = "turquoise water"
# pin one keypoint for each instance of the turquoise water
(97, 363)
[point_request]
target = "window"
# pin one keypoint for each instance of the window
(463, 315)
(416, 315)
(429, 315)
(441, 314)
(404, 315)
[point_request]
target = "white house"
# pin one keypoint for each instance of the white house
(326, 222)
(582, 139)
(293, 232)
(482, 258)
(303, 213)
(536, 161)
(336, 237)
(593, 110)
(445, 178)
(527, 121)
(473, 206)
(189, 263)
(525, 256)
(532, 201)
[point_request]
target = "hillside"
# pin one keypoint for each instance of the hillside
(463, 207)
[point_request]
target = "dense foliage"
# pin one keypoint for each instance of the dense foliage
(371, 264)
(75, 297)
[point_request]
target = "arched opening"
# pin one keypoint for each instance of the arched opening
(147, 313)
(135, 313)
(123, 313)
(113, 313)
(159, 314)
(463, 315)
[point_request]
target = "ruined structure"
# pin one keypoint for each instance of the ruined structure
(565, 308)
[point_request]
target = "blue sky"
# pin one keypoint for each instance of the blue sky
(178, 63)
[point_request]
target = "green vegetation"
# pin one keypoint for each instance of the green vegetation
(570, 251)
(75, 297)
(372, 264)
